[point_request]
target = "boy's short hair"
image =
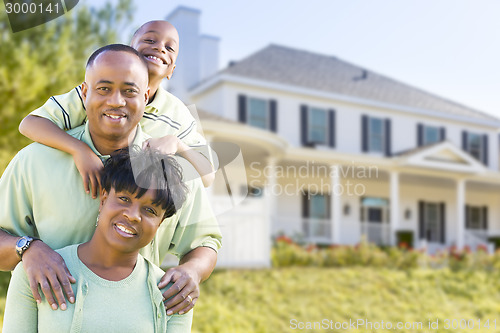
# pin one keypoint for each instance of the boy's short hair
(136, 171)
(115, 48)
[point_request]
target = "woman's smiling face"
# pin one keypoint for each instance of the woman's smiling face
(129, 223)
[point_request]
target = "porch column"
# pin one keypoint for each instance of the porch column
(270, 205)
(460, 213)
(335, 198)
(394, 207)
(210, 189)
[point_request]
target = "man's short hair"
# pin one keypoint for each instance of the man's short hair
(116, 48)
(136, 171)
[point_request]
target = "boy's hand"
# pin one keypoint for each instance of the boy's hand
(169, 144)
(45, 267)
(90, 167)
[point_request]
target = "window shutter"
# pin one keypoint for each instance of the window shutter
(273, 115)
(388, 137)
(305, 204)
(364, 133)
(485, 149)
(442, 212)
(442, 133)
(331, 128)
(421, 233)
(242, 109)
(464, 140)
(303, 124)
(467, 217)
(485, 217)
(420, 135)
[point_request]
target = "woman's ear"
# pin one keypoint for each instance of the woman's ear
(104, 196)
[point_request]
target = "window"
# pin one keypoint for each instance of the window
(432, 224)
(476, 217)
(431, 135)
(374, 210)
(432, 216)
(376, 135)
(257, 113)
(318, 126)
(474, 145)
(316, 216)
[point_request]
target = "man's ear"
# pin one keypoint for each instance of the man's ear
(171, 72)
(85, 87)
(148, 91)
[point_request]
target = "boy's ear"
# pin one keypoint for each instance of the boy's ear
(169, 75)
(85, 87)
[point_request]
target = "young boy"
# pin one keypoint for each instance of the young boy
(166, 119)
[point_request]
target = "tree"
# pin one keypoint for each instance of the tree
(47, 60)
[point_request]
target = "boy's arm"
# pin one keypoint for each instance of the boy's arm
(87, 162)
(171, 144)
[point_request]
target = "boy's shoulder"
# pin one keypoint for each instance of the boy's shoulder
(166, 103)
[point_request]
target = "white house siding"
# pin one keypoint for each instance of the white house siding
(223, 100)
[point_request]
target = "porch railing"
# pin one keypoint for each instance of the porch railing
(378, 233)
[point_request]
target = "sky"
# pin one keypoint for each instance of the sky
(448, 47)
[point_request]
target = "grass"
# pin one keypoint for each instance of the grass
(268, 300)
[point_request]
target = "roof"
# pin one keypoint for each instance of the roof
(290, 66)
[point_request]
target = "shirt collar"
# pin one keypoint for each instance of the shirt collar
(138, 140)
(159, 101)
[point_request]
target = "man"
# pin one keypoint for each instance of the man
(41, 192)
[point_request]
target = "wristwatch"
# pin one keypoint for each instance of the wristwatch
(23, 244)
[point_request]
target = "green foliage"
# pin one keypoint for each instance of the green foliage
(287, 253)
(48, 60)
(267, 300)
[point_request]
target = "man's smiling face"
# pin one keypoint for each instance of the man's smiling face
(115, 93)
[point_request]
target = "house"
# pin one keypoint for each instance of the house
(333, 152)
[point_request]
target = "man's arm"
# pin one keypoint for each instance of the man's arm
(46, 132)
(43, 267)
(8, 256)
(194, 268)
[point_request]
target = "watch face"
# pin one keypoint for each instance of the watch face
(22, 242)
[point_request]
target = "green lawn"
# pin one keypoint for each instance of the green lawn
(276, 300)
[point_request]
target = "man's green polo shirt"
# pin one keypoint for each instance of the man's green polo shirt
(42, 195)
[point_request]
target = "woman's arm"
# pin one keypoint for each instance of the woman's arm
(21, 312)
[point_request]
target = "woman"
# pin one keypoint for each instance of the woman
(116, 288)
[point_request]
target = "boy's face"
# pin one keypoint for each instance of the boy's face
(158, 42)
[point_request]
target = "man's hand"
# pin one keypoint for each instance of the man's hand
(185, 289)
(46, 268)
(168, 144)
(90, 167)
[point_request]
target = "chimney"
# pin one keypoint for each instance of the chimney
(198, 54)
